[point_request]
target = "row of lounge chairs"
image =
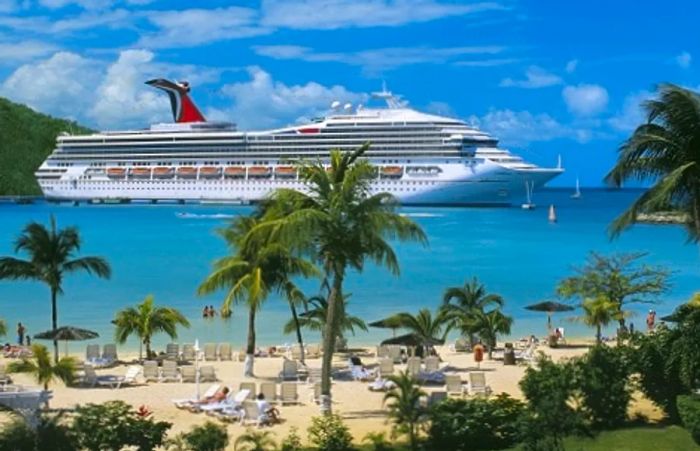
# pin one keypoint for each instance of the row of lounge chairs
(286, 394)
(106, 358)
(169, 371)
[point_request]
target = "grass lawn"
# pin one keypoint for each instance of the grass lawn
(636, 439)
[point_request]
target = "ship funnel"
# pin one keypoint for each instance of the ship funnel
(184, 109)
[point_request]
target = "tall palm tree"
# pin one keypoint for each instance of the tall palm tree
(256, 269)
(314, 318)
(424, 325)
(338, 222)
(40, 366)
(405, 409)
(600, 312)
(51, 257)
(488, 325)
(146, 320)
(664, 150)
(461, 303)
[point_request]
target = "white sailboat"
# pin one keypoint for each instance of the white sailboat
(577, 193)
(552, 214)
(529, 189)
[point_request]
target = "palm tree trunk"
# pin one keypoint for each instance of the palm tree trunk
(329, 334)
(54, 320)
(298, 329)
(147, 342)
(598, 336)
(248, 367)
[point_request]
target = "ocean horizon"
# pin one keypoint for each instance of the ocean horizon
(167, 250)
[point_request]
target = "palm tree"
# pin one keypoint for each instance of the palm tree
(51, 257)
(426, 327)
(598, 313)
(3, 328)
(460, 303)
(314, 318)
(488, 325)
(146, 320)
(339, 223)
(40, 366)
(253, 440)
(255, 269)
(405, 409)
(665, 150)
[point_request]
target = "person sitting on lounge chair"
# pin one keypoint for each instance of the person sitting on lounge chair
(219, 396)
(267, 413)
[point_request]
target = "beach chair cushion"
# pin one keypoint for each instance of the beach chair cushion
(288, 393)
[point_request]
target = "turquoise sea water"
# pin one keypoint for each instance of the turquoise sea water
(167, 250)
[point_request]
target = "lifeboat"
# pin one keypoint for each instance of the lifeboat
(285, 172)
(234, 172)
(391, 171)
(163, 172)
(116, 173)
(140, 173)
(259, 171)
(209, 172)
(187, 172)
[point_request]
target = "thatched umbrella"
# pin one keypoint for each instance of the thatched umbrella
(549, 307)
(387, 323)
(413, 340)
(67, 333)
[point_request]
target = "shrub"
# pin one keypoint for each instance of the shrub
(292, 442)
(207, 437)
(17, 436)
(254, 441)
(377, 440)
(601, 378)
(115, 425)
(689, 410)
(48, 434)
(476, 424)
(329, 433)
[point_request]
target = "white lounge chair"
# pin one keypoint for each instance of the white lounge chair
(477, 384)
(188, 373)
(209, 351)
(395, 353)
(432, 363)
(454, 385)
(290, 370)
(207, 373)
(413, 366)
(229, 403)
(168, 371)
(172, 351)
(436, 397)
(225, 351)
(185, 403)
(386, 367)
(460, 345)
(188, 353)
(383, 351)
(92, 352)
(269, 391)
(150, 371)
(251, 414)
(250, 387)
(109, 380)
(289, 393)
(109, 352)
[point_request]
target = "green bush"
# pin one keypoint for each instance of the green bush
(329, 433)
(476, 424)
(378, 441)
(292, 442)
(115, 425)
(49, 434)
(689, 410)
(17, 436)
(207, 437)
(602, 381)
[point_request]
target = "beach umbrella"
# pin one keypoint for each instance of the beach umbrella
(549, 307)
(412, 340)
(387, 323)
(66, 334)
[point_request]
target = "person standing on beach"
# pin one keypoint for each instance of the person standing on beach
(20, 334)
(651, 319)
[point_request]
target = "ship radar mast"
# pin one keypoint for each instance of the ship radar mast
(392, 100)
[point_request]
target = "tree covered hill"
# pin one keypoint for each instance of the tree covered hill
(26, 139)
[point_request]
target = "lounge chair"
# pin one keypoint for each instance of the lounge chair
(225, 351)
(109, 380)
(395, 353)
(413, 366)
(382, 352)
(168, 371)
(432, 364)
(150, 370)
(527, 355)
(4, 377)
(207, 374)
(454, 385)
(210, 351)
(290, 370)
(313, 351)
(240, 356)
(172, 351)
(477, 384)
(386, 367)
(251, 414)
(251, 387)
(341, 344)
(313, 375)
(130, 377)
(460, 345)
(288, 393)
(185, 403)
(188, 373)
(436, 397)
(188, 353)
(231, 402)
(109, 352)
(269, 391)
(92, 352)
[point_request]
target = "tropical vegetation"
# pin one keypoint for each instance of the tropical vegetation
(52, 257)
(461, 304)
(599, 313)
(329, 433)
(146, 320)
(252, 440)
(427, 328)
(315, 314)
(405, 409)
(43, 369)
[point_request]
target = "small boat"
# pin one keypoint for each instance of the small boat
(259, 171)
(116, 173)
(391, 171)
(209, 172)
(163, 172)
(140, 173)
(529, 189)
(552, 214)
(187, 172)
(285, 172)
(234, 172)
(577, 192)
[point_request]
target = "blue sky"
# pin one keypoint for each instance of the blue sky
(547, 77)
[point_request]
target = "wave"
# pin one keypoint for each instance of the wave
(422, 215)
(204, 216)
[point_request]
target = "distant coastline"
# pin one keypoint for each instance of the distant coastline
(663, 217)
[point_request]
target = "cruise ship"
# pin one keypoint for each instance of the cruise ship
(422, 159)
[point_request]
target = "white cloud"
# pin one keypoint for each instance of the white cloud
(193, 27)
(571, 66)
(11, 52)
(382, 58)
(87, 4)
(263, 102)
(535, 77)
(118, 18)
(489, 62)
(8, 6)
(684, 60)
(520, 128)
(333, 14)
(631, 115)
(585, 100)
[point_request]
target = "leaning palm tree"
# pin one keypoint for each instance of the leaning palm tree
(600, 312)
(405, 409)
(255, 441)
(461, 303)
(666, 151)
(314, 318)
(40, 366)
(146, 320)
(338, 222)
(252, 273)
(51, 257)
(488, 325)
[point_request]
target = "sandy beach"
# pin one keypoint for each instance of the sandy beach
(360, 408)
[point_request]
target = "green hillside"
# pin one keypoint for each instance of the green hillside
(26, 138)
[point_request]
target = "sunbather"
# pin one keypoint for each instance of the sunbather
(219, 396)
